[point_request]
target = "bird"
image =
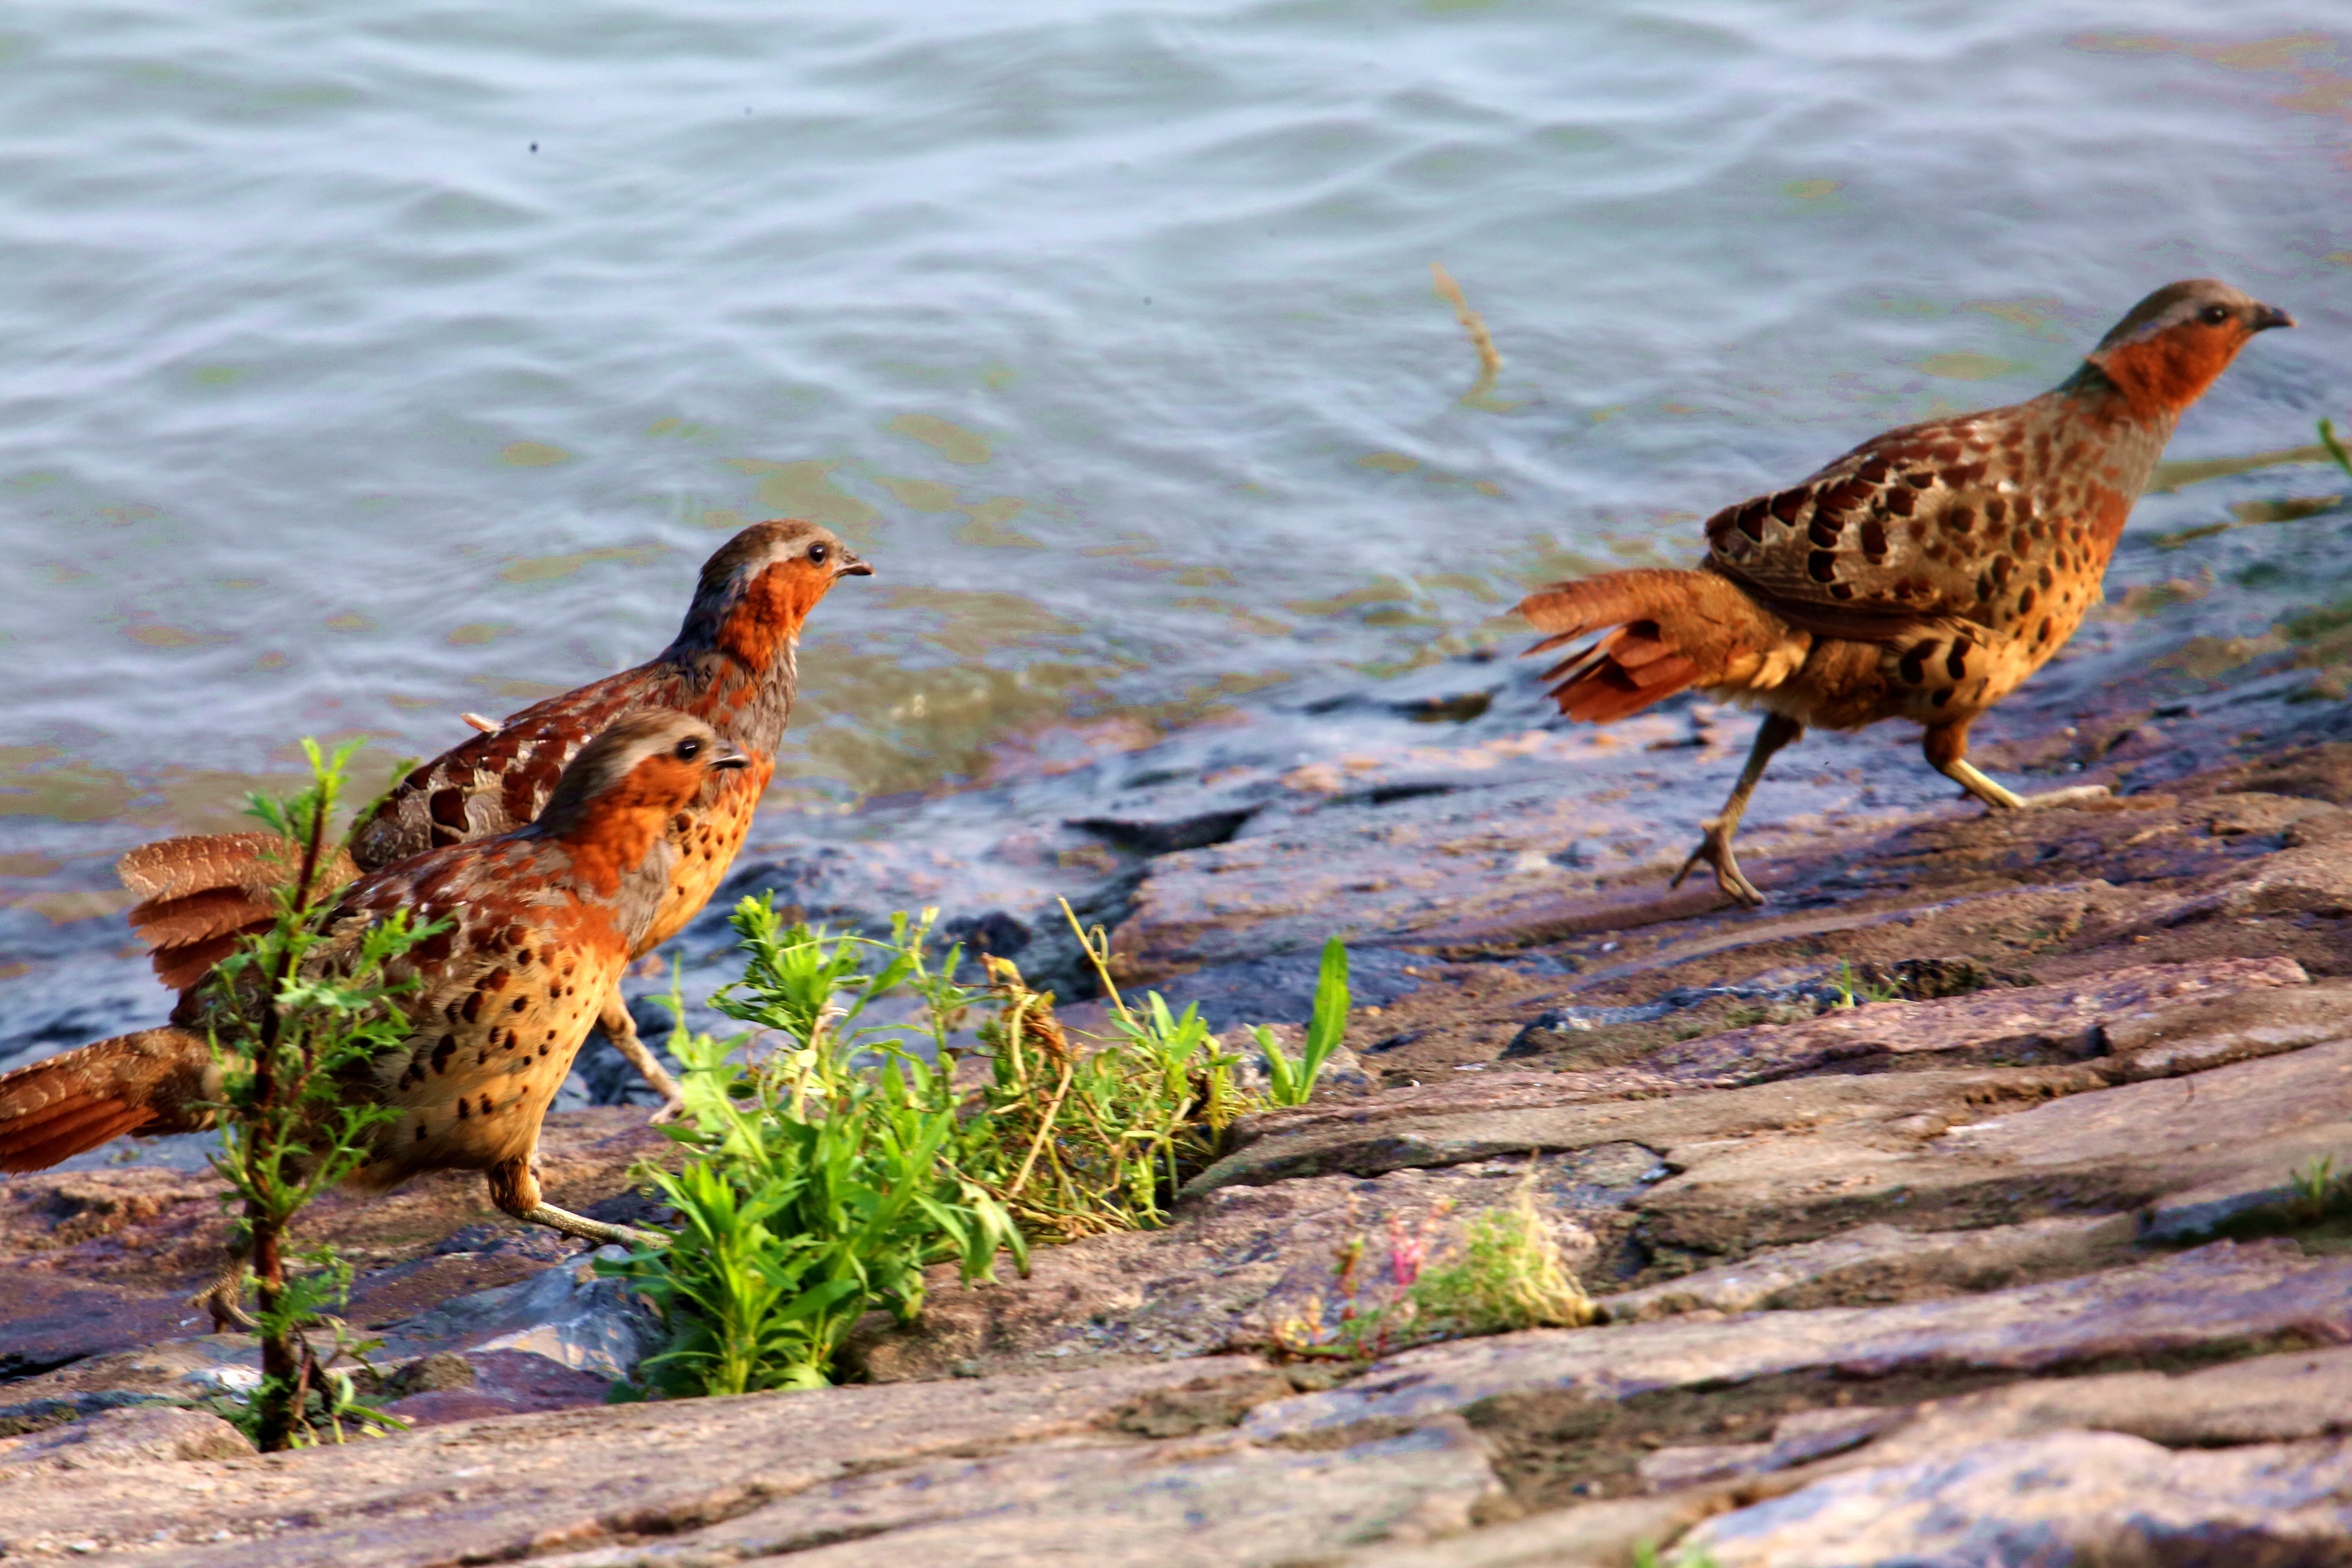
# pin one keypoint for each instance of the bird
(537, 924)
(732, 664)
(1923, 575)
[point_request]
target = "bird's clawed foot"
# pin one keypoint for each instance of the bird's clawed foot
(673, 1106)
(1715, 849)
(223, 1300)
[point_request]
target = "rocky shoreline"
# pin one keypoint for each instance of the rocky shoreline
(1970, 1202)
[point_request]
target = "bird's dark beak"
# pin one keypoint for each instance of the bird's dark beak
(728, 756)
(2267, 316)
(852, 566)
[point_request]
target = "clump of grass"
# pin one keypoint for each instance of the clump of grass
(2316, 1186)
(815, 1190)
(1509, 1276)
(1854, 989)
(831, 1161)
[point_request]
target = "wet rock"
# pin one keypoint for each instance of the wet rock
(2225, 1140)
(53, 1320)
(1989, 1027)
(2263, 1399)
(1204, 1503)
(1168, 836)
(173, 1370)
(995, 934)
(2189, 1036)
(27, 1415)
(430, 1374)
(446, 1387)
(567, 1314)
(2218, 1296)
(2065, 1497)
(1498, 1114)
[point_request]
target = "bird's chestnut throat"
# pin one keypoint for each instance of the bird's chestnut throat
(610, 836)
(764, 621)
(2159, 376)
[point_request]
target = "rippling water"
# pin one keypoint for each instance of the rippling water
(365, 364)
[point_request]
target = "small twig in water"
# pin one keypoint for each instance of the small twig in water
(1490, 359)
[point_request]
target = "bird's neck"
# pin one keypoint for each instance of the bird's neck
(2152, 380)
(744, 689)
(616, 843)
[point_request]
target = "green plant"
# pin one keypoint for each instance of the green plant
(306, 1009)
(1509, 1276)
(1854, 988)
(1288, 1082)
(2334, 448)
(2316, 1185)
(1082, 1137)
(1646, 1556)
(830, 1162)
(817, 1189)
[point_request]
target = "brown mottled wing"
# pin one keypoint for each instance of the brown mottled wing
(493, 783)
(1914, 524)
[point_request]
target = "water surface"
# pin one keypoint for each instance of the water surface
(370, 365)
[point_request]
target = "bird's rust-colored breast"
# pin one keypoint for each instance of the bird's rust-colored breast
(707, 842)
(505, 995)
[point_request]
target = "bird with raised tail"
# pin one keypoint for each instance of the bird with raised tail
(541, 921)
(1923, 575)
(732, 665)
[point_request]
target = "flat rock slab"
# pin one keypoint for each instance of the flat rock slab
(133, 1435)
(2226, 1140)
(1884, 1263)
(2067, 1496)
(2217, 1296)
(53, 1320)
(1217, 1503)
(1996, 1027)
(530, 1485)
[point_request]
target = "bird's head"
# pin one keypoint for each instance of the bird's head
(2168, 350)
(639, 770)
(761, 585)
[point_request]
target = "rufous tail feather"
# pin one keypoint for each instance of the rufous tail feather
(1672, 629)
(157, 1081)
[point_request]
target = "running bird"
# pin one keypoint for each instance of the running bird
(1923, 575)
(732, 665)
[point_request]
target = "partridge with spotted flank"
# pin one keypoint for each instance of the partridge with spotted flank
(1923, 575)
(540, 922)
(732, 665)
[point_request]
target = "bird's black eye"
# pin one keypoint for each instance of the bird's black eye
(2214, 315)
(689, 749)
(818, 553)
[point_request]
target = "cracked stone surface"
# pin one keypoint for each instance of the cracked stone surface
(2033, 1251)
